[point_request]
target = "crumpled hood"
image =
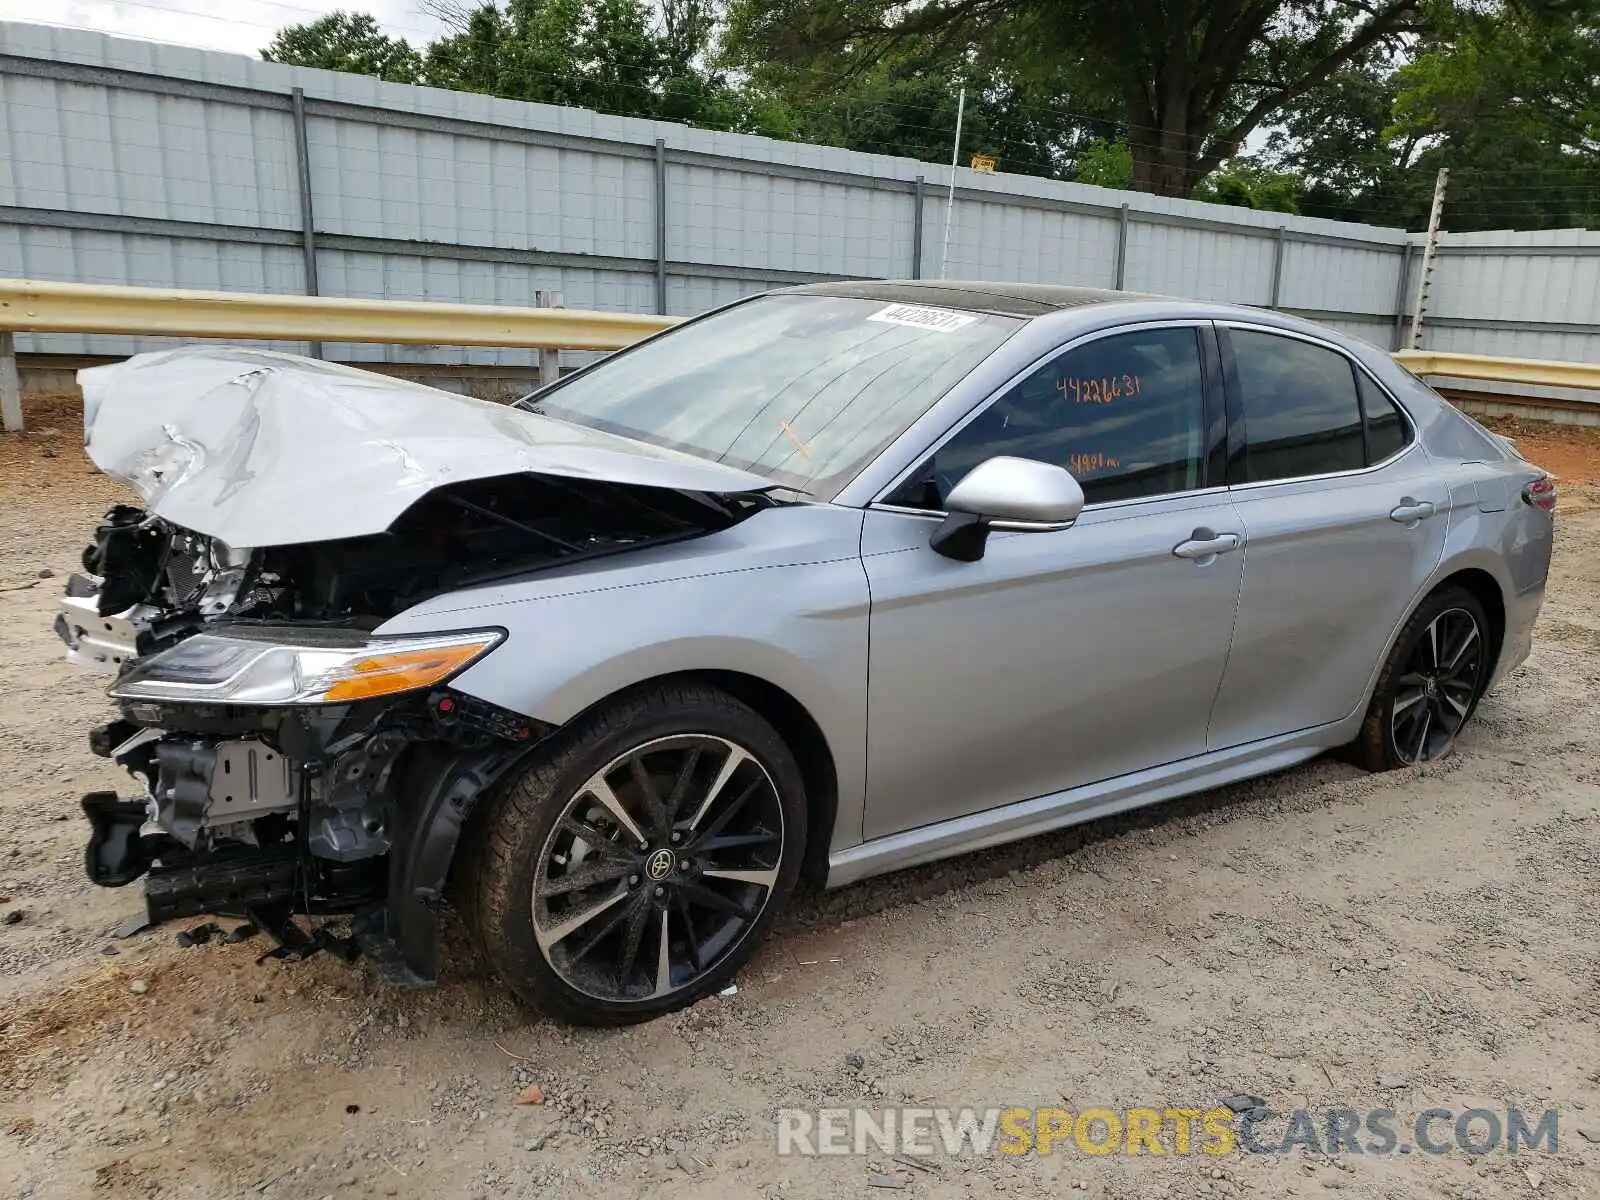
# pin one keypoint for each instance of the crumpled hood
(259, 448)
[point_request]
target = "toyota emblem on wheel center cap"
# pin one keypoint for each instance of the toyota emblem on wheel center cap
(659, 865)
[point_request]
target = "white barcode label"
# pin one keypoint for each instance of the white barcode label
(940, 320)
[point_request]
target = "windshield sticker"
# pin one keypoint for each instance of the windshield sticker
(939, 320)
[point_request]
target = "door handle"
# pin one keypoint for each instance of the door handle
(1409, 511)
(1205, 545)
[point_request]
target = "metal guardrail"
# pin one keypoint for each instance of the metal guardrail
(1536, 371)
(32, 306)
(29, 306)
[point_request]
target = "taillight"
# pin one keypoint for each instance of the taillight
(1541, 493)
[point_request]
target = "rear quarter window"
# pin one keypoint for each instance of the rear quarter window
(1387, 428)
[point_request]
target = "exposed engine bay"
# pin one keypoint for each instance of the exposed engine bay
(293, 762)
(149, 583)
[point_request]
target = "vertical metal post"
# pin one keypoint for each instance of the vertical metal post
(1277, 267)
(10, 385)
(1400, 298)
(1122, 248)
(661, 226)
(1425, 276)
(950, 199)
(549, 360)
(916, 228)
(308, 224)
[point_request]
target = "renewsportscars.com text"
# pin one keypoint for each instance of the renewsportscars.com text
(1178, 1131)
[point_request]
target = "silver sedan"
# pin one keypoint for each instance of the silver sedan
(823, 584)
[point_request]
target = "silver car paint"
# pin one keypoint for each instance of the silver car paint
(785, 597)
(259, 448)
(1056, 660)
(781, 597)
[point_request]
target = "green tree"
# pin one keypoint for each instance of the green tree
(1363, 99)
(1248, 183)
(1106, 164)
(1190, 80)
(614, 56)
(904, 102)
(344, 41)
(1507, 99)
(1510, 102)
(1336, 140)
(601, 55)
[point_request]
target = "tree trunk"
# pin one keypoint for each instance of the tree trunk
(1164, 169)
(1161, 137)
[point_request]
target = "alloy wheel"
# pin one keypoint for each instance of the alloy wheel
(1435, 692)
(658, 867)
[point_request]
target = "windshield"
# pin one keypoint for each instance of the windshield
(802, 389)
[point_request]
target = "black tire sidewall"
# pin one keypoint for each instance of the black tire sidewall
(533, 800)
(1416, 628)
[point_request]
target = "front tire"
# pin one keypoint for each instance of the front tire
(1431, 684)
(634, 866)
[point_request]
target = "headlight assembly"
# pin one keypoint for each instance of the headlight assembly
(288, 666)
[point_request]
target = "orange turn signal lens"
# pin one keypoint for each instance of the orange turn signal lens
(403, 670)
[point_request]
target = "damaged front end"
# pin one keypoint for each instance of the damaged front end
(293, 760)
(344, 800)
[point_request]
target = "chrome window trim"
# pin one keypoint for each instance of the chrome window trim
(1405, 413)
(904, 510)
(1196, 323)
(1266, 483)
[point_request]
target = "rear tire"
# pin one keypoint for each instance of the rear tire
(1430, 686)
(636, 863)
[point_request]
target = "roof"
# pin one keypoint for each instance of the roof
(1011, 299)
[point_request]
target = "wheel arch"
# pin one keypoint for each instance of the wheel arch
(1486, 590)
(1476, 572)
(799, 730)
(445, 787)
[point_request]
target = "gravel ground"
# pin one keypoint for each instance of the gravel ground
(1320, 937)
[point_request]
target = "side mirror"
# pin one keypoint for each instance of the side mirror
(1010, 494)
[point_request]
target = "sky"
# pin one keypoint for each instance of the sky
(239, 26)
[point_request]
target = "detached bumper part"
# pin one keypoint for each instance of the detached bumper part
(177, 883)
(231, 887)
(116, 854)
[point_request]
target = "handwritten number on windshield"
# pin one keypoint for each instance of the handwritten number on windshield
(1104, 390)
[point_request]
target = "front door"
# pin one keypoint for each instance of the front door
(1067, 657)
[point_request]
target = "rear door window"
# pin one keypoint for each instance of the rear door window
(1299, 409)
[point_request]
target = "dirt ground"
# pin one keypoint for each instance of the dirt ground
(1318, 937)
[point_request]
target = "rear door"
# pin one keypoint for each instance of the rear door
(1344, 518)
